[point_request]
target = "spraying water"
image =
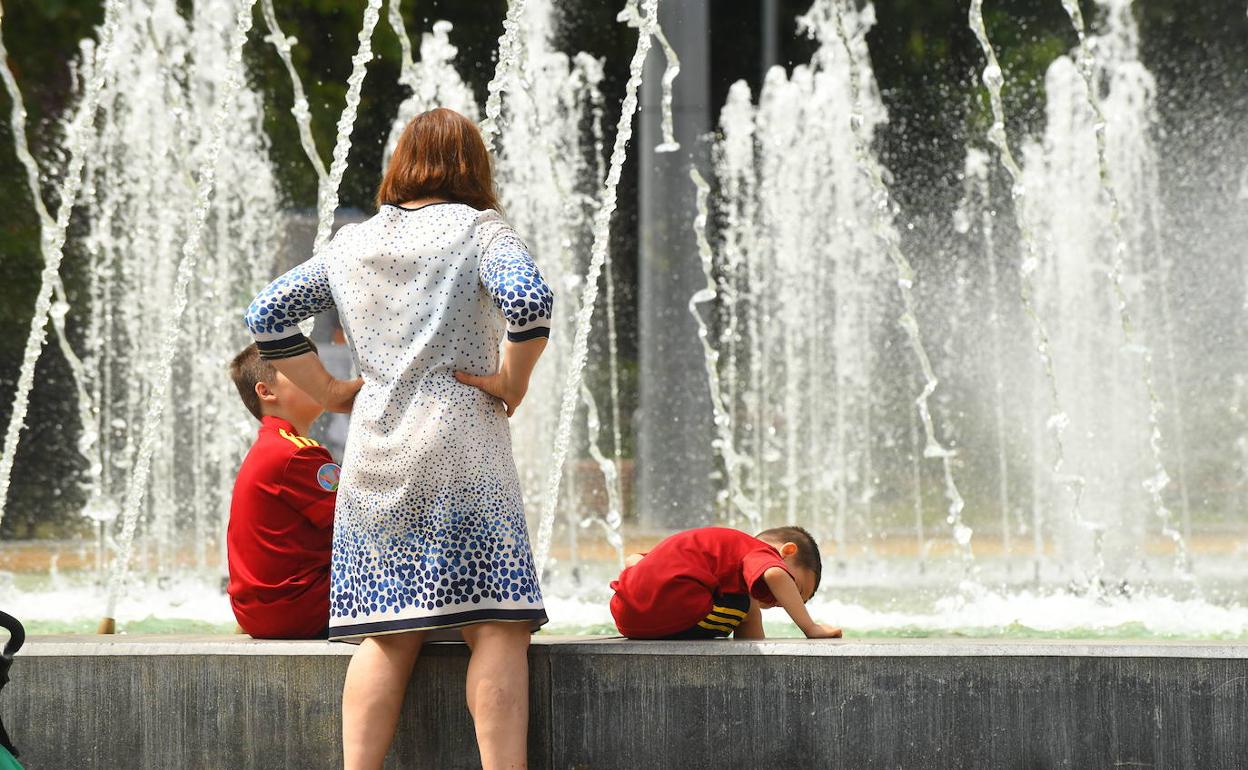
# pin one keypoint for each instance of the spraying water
(77, 144)
(1057, 419)
(299, 109)
(205, 184)
(977, 197)
(88, 442)
(722, 442)
(433, 81)
(905, 281)
(504, 72)
(646, 19)
(328, 200)
(799, 348)
(1086, 64)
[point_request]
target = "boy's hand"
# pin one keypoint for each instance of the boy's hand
(821, 631)
(340, 395)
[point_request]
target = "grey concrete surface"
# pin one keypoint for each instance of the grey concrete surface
(230, 702)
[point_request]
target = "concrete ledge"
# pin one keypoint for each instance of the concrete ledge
(71, 645)
(232, 702)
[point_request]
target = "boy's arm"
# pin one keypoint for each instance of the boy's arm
(782, 587)
(752, 626)
(633, 558)
(310, 485)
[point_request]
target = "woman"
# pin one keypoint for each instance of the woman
(429, 532)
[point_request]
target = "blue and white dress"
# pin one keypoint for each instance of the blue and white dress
(429, 529)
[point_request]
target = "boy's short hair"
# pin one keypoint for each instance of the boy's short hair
(247, 369)
(807, 549)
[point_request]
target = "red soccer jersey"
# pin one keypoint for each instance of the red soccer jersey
(278, 540)
(672, 588)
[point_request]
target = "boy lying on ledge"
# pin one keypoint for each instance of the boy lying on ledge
(711, 582)
(282, 513)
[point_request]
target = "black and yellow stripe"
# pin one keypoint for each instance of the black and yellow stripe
(724, 619)
(300, 442)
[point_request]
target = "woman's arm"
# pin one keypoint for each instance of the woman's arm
(274, 315)
(511, 381)
(308, 374)
(273, 320)
(513, 281)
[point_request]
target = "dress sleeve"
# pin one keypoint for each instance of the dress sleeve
(512, 279)
(274, 315)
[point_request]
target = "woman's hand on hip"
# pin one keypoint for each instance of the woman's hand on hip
(511, 381)
(499, 385)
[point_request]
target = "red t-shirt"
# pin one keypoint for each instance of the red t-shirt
(281, 528)
(672, 588)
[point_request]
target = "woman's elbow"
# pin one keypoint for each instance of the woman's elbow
(255, 317)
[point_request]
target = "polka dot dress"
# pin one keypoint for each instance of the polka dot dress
(429, 529)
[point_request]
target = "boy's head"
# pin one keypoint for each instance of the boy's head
(800, 553)
(266, 391)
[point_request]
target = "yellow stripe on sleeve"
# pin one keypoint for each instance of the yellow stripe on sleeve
(714, 627)
(301, 442)
(717, 619)
(727, 611)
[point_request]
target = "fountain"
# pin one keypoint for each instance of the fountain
(999, 444)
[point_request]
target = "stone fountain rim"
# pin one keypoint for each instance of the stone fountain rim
(90, 645)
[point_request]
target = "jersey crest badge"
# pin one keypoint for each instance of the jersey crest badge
(327, 476)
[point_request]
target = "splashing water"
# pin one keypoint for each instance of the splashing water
(299, 109)
(504, 73)
(328, 202)
(723, 442)
(1057, 420)
(631, 15)
(977, 197)
(855, 51)
(77, 145)
(810, 377)
(205, 187)
(433, 81)
(778, 264)
(88, 442)
(1086, 65)
(1064, 232)
(645, 19)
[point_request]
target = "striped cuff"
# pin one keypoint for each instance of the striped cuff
(528, 334)
(287, 347)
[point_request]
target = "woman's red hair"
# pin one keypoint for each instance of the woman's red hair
(440, 154)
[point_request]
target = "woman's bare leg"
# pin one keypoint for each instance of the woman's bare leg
(373, 695)
(498, 692)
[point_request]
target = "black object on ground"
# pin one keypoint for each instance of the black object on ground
(17, 636)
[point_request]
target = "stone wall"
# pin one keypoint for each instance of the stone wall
(168, 702)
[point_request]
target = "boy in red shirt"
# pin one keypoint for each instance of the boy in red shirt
(711, 582)
(282, 512)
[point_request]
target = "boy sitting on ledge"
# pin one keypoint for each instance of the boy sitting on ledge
(711, 582)
(282, 513)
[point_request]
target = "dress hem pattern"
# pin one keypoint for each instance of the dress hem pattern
(437, 622)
